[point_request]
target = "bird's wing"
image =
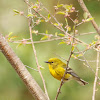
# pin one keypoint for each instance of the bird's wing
(70, 71)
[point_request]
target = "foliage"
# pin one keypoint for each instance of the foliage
(67, 34)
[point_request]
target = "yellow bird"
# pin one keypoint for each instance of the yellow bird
(57, 70)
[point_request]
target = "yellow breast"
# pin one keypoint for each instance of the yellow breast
(58, 73)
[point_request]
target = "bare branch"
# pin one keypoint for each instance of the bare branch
(20, 68)
(96, 77)
(83, 6)
(62, 80)
(34, 50)
(59, 28)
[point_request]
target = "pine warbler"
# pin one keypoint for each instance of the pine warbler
(57, 70)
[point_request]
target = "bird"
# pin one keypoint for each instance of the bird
(57, 69)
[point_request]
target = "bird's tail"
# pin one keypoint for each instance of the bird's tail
(82, 82)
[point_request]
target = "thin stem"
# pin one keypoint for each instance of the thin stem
(62, 80)
(90, 67)
(96, 77)
(34, 50)
(59, 28)
(83, 6)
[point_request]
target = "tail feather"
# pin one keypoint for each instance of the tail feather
(76, 77)
(82, 82)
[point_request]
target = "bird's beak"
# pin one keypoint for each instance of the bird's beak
(47, 62)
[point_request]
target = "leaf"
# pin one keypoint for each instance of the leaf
(46, 31)
(48, 16)
(11, 38)
(44, 38)
(74, 56)
(56, 24)
(59, 5)
(73, 48)
(79, 55)
(62, 42)
(74, 27)
(30, 15)
(94, 42)
(10, 34)
(16, 11)
(66, 21)
(61, 12)
(67, 6)
(69, 28)
(34, 6)
(89, 19)
(61, 34)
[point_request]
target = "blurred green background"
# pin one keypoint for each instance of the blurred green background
(11, 86)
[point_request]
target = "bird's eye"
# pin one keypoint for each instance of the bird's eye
(51, 62)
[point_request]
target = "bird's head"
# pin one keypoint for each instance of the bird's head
(54, 62)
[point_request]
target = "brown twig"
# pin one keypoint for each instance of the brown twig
(42, 41)
(20, 68)
(96, 77)
(83, 6)
(62, 80)
(34, 50)
(87, 65)
(60, 28)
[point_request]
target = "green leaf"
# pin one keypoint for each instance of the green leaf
(30, 15)
(44, 38)
(67, 6)
(61, 12)
(79, 55)
(89, 19)
(10, 34)
(16, 11)
(48, 16)
(12, 38)
(59, 5)
(62, 42)
(61, 34)
(94, 42)
(69, 28)
(73, 48)
(74, 27)
(35, 6)
(66, 21)
(46, 31)
(74, 56)
(56, 24)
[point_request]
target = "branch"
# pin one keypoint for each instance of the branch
(20, 68)
(59, 28)
(96, 77)
(62, 80)
(83, 6)
(34, 50)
